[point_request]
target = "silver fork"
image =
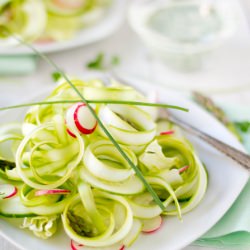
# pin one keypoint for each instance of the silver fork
(240, 157)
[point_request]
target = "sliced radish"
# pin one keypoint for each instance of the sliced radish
(75, 246)
(152, 225)
(181, 170)
(122, 247)
(80, 118)
(72, 4)
(169, 132)
(51, 191)
(44, 40)
(70, 133)
(7, 191)
(84, 119)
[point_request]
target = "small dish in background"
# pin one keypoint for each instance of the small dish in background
(181, 32)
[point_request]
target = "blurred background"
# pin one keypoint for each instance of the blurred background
(134, 38)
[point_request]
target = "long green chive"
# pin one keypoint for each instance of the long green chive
(137, 171)
(162, 105)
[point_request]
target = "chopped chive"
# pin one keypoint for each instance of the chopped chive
(97, 63)
(56, 76)
(162, 105)
(100, 62)
(243, 126)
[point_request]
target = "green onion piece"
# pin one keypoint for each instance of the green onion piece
(56, 76)
(97, 63)
(162, 105)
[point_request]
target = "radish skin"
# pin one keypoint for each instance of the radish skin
(169, 132)
(51, 191)
(13, 191)
(73, 247)
(181, 170)
(156, 225)
(70, 133)
(122, 248)
(87, 129)
(72, 4)
(80, 118)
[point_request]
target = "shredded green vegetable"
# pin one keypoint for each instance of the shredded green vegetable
(108, 202)
(104, 184)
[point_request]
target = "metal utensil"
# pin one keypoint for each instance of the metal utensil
(208, 104)
(242, 158)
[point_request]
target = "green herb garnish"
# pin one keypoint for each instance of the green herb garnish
(56, 76)
(243, 126)
(99, 63)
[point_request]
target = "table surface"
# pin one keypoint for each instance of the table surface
(133, 59)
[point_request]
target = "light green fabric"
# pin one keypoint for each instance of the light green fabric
(17, 64)
(233, 230)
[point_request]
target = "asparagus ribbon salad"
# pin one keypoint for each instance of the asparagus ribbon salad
(49, 20)
(99, 161)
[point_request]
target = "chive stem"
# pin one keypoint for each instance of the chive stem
(162, 105)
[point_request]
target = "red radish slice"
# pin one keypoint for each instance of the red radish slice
(84, 119)
(70, 133)
(80, 118)
(7, 191)
(72, 4)
(169, 132)
(51, 191)
(44, 40)
(152, 225)
(75, 246)
(181, 170)
(122, 248)
(69, 119)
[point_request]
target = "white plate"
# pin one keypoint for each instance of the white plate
(226, 180)
(103, 28)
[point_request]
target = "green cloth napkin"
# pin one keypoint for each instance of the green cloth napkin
(17, 64)
(233, 230)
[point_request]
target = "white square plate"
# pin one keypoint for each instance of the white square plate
(226, 180)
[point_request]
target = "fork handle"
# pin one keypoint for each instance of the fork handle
(242, 158)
